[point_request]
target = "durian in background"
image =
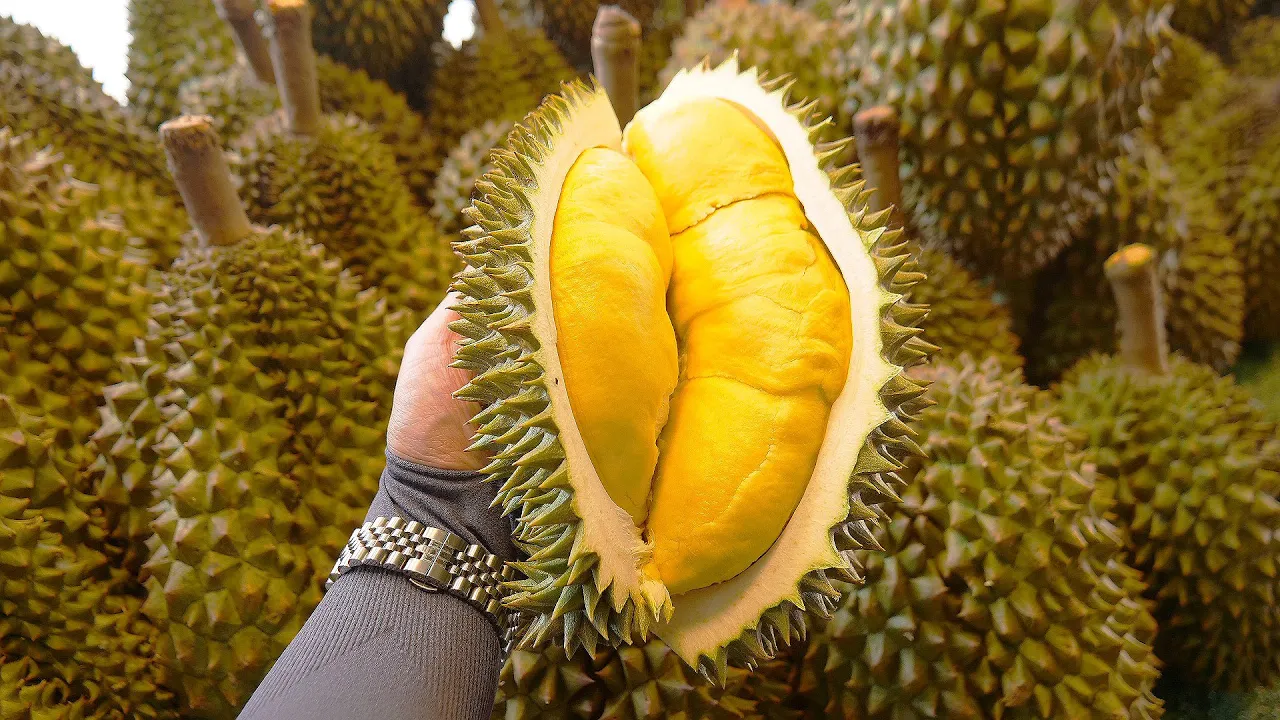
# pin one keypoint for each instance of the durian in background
(392, 40)
(964, 317)
(170, 43)
(568, 23)
(331, 178)
(463, 167)
(1255, 50)
(253, 416)
(1143, 199)
(998, 589)
(1008, 110)
(1194, 470)
(499, 75)
(1257, 229)
(1210, 21)
(576, 215)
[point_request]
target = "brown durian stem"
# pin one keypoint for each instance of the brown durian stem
(1132, 272)
(876, 132)
(241, 16)
(615, 51)
(204, 180)
(294, 59)
(490, 18)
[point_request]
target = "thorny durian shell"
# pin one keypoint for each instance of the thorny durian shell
(576, 595)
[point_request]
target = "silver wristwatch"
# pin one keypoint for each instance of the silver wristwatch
(437, 561)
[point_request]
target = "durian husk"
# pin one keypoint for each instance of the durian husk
(1004, 127)
(1210, 21)
(1259, 372)
(1143, 200)
(568, 23)
(964, 315)
(582, 584)
(1196, 472)
(1255, 50)
(391, 40)
(999, 591)
(170, 44)
(22, 44)
(1257, 229)
(465, 164)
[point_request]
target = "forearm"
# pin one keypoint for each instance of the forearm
(379, 647)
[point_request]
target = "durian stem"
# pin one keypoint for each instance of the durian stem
(240, 15)
(875, 130)
(1132, 272)
(204, 180)
(294, 59)
(615, 51)
(490, 18)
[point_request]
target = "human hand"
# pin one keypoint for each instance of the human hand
(428, 425)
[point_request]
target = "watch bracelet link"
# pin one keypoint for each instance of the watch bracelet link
(435, 560)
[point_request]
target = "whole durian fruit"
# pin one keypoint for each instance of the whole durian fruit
(1255, 50)
(1257, 229)
(22, 44)
(964, 316)
(595, 261)
(463, 167)
(253, 416)
(627, 683)
(389, 39)
(1196, 470)
(501, 74)
(1007, 110)
(999, 592)
(331, 178)
(1210, 21)
(1142, 199)
(568, 23)
(776, 38)
(171, 43)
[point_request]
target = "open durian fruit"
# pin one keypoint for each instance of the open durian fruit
(689, 341)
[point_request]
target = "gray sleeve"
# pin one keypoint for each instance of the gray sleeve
(377, 646)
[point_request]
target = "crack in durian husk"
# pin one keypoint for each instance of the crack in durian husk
(546, 479)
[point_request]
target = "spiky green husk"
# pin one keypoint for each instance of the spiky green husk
(560, 590)
(964, 316)
(1257, 215)
(1255, 50)
(237, 102)
(1210, 21)
(22, 44)
(1142, 200)
(71, 284)
(998, 593)
(391, 40)
(1197, 471)
(1007, 111)
(568, 23)
(341, 188)
(172, 43)
(1259, 372)
(1184, 70)
(88, 126)
(628, 683)
(498, 78)
(775, 38)
(463, 166)
(254, 419)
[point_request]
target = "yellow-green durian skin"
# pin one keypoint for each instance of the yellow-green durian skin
(1257, 229)
(341, 188)
(254, 415)
(1007, 111)
(171, 43)
(1196, 470)
(964, 315)
(1000, 590)
(391, 40)
(1255, 49)
(1210, 21)
(465, 164)
(24, 44)
(1142, 199)
(1259, 372)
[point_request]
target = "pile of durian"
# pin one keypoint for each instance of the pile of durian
(879, 359)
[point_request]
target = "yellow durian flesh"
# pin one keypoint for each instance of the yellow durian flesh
(762, 319)
(610, 267)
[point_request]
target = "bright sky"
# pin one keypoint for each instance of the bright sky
(98, 30)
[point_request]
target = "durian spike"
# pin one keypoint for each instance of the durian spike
(1132, 272)
(203, 178)
(490, 18)
(241, 15)
(615, 52)
(875, 131)
(294, 59)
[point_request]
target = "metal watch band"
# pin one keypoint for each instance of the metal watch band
(435, 560)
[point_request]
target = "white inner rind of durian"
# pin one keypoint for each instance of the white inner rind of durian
(710, 618)
(606, 530)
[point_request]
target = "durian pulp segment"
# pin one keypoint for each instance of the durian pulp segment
(762, 317)
(610, 267)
